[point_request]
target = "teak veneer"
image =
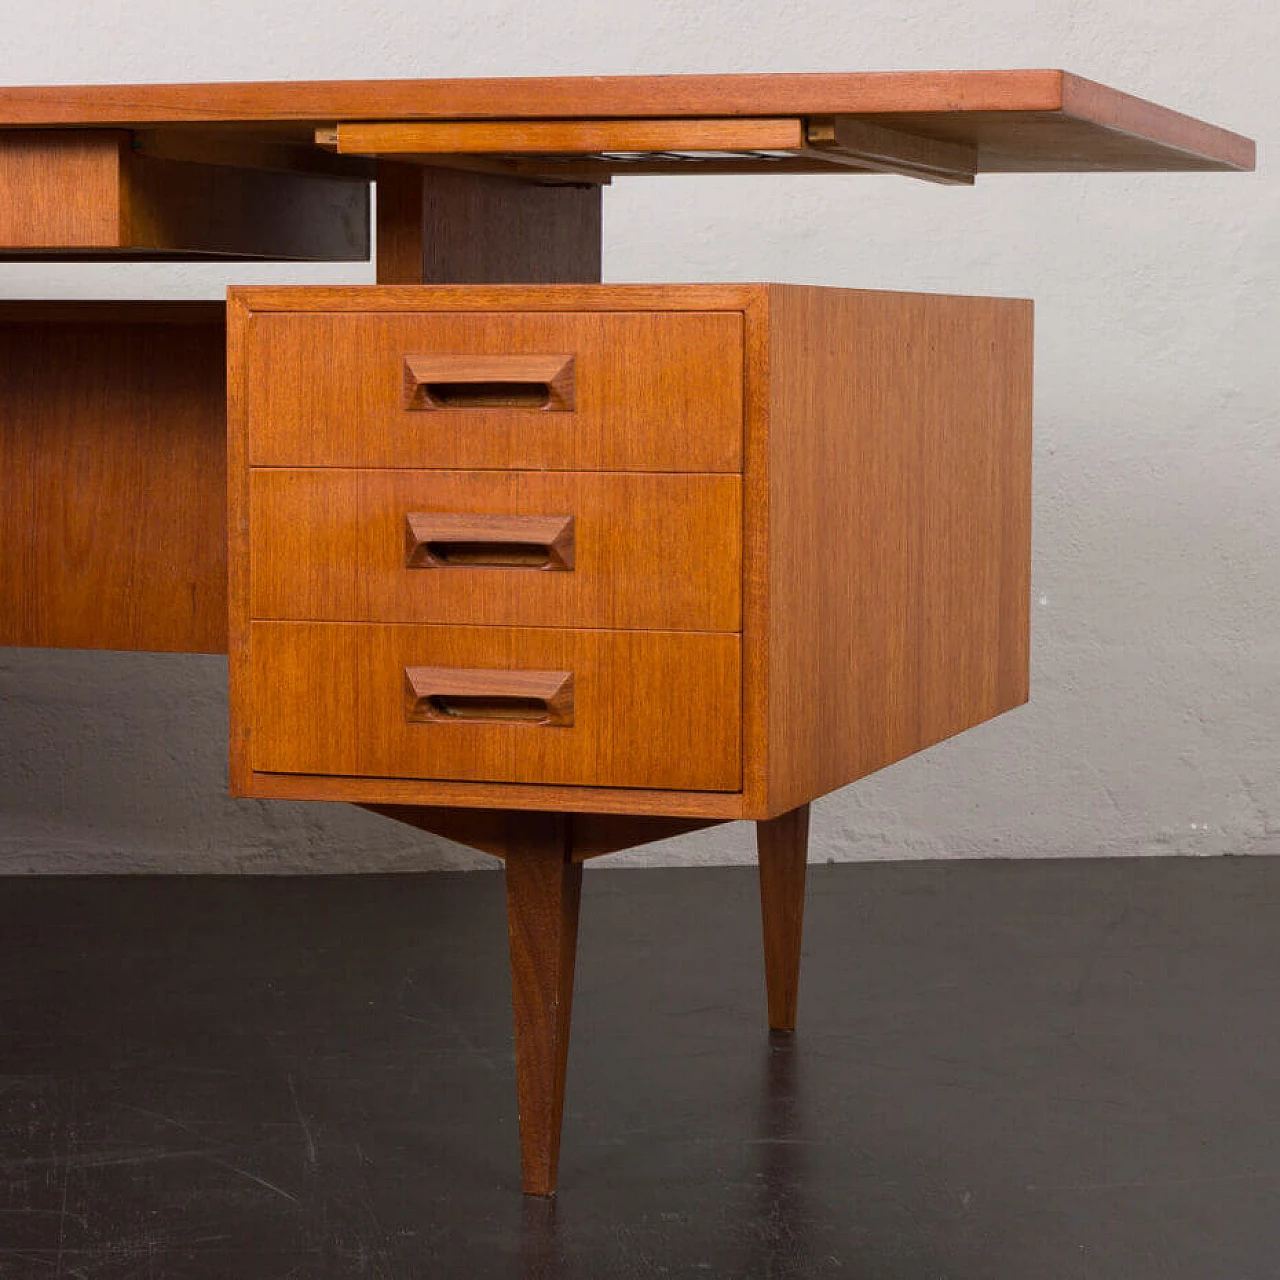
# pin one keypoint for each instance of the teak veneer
(91, 193)
(546, 566)
(873, 452)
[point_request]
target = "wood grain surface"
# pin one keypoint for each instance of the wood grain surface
(415, 300)
(667, 802)
(897, 601)
(1021, 119)
(651, 709)
(533, 137)
(885, 527)
(113, 476)
(400, 229)
(592, 835)
(445, 226)
(219, 211)
(84, 191)
(782, 845)
(239, 674)
(457, 695)
(893, 151)
(658, 551)
(653, 391)
(484, 540)
(503, 381)
(61, 189)
(544, 887)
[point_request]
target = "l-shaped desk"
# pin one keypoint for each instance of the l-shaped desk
(547, 566)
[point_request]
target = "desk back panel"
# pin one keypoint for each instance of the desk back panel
(113, 476)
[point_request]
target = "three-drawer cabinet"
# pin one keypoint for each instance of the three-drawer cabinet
(706, 551)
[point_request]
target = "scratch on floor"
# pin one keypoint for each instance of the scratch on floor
(252, 1177)
(205, 1154)
(443, 1024)
(62, 1220)
(1087, 974)
(302, 1121)
(1213, 1180)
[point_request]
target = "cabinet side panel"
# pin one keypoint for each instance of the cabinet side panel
(899, 527)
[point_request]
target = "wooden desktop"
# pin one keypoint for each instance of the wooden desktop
(550, 567)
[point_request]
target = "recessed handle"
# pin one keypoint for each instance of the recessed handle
(540, 383)
(451, 540)
(436, 695)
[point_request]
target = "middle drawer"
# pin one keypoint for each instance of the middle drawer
(565, 549)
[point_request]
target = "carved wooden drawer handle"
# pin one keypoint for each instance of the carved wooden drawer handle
(450, 540)
(455, 694)
(488, 382)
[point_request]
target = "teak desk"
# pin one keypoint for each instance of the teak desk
(547, 566)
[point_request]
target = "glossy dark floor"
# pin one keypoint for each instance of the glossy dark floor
(1021, 1070)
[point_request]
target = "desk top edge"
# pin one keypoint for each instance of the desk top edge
(929, 95)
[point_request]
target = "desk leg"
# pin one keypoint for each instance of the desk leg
(783, 845)
(543, 889)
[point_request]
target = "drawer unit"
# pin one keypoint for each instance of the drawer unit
(497, 704)
(526, 548)
(649, 391)
(683, 551)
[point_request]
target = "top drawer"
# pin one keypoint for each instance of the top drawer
(625, 391)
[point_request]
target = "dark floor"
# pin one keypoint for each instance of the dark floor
(1004, 1070)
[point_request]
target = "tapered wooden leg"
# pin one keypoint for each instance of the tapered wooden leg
(783, 845)
(544, 885)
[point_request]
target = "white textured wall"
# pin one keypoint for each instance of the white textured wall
(1155, 716)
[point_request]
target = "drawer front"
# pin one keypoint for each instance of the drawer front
(495, 704)
(576, 391)
(567, 549)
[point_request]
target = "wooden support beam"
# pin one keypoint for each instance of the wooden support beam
(249, 148)
(448, 226)
(847, 139)
(592, 834)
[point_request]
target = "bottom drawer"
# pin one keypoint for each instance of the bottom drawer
(650, 709)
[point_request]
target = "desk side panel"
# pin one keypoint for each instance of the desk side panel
(899, 528)
(113, 477)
